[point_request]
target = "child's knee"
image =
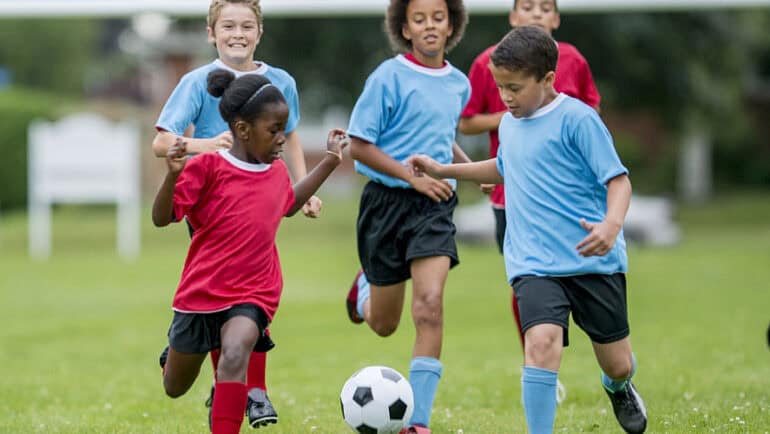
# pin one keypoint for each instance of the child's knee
(427, 311)
(543, 346)
(384, 327)
(233, 360)
(174, 390)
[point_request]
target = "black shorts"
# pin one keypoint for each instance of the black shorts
(201, 332)
(500, 224)
(397, 225)
(597, 303)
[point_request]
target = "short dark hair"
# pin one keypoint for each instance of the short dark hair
(529, 49)
(246, 97)
(555, 4)
(396, 18)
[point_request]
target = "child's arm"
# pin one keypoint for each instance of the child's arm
(308, 185)
(165, 139)
(481, 172)
(163, 207)
(480, 123)
(458, 155)
(602, 235)
(372, 156)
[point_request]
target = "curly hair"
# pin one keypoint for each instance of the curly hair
(215, 9)
(395, 19)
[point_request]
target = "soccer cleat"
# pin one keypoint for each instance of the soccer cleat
(415, 429)
(163, 357)
(629, 409)
(259, 409)
(561, 392)
(210, 404)
(352, 301)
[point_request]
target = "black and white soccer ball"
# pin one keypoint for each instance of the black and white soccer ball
(377, 400)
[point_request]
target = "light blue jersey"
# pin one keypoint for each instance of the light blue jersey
(407, 109)
(191, 104)
(555, 165)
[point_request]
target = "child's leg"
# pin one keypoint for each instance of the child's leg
(239, 335)
(180, 371)
(428, 279)
(618, 365)
(542, 357)
(382, 308)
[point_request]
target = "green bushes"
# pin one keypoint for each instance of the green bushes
(19, 107)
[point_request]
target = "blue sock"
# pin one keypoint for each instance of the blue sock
(363, 293)
(538, 392)
(424, 373)
(617, 385)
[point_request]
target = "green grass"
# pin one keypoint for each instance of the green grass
(81, 332)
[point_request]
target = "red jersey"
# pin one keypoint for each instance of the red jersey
(235, 208)
(573, 77)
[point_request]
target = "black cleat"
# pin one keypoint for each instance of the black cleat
(629, 409)
(259, 409)
(210, 404)
(163, 357)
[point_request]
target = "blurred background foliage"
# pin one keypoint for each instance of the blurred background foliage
(660, 75)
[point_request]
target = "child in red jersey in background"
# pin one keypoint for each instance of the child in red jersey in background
(485, 108)
(235, 199)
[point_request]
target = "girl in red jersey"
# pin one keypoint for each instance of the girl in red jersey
(235, 198)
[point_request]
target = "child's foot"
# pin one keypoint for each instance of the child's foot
(259, 409)
(561, 392)
(415, 429)
(163, 357)
(629, 409)
(210, 404)
(351, 303)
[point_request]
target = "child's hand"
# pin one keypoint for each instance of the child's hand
(436, 189)
(176, 157)
(312, 208)
(222, 141)
(422, 164)
(336, 142)
(600, 239)
(487, 188)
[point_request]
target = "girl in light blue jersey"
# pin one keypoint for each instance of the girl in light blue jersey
(410, 105)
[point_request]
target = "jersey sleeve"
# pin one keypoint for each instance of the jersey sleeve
(182, 107)
(373, 110)
(189, 186)
(292, 100)
(479, 76)
(291, 199)
(595, 144)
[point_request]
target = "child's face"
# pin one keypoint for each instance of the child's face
(236, 34)
(427, 26)
(540, 13)
(521, 93)
(264, 138)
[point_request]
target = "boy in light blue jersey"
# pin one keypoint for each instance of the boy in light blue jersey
(410, 105)
(566, 196)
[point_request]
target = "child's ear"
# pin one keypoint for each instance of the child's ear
(513, 18)
(549, 78)
(241, 130)
(556, 21)
(405, 32)
(210, 37)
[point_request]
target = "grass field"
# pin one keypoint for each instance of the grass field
(81, 332)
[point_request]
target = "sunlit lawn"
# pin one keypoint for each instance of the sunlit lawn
(81, 332)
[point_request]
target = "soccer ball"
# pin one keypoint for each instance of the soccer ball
(377, 400)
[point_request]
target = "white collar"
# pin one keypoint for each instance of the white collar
(249, 167)
(435, 72)
(262, 68)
